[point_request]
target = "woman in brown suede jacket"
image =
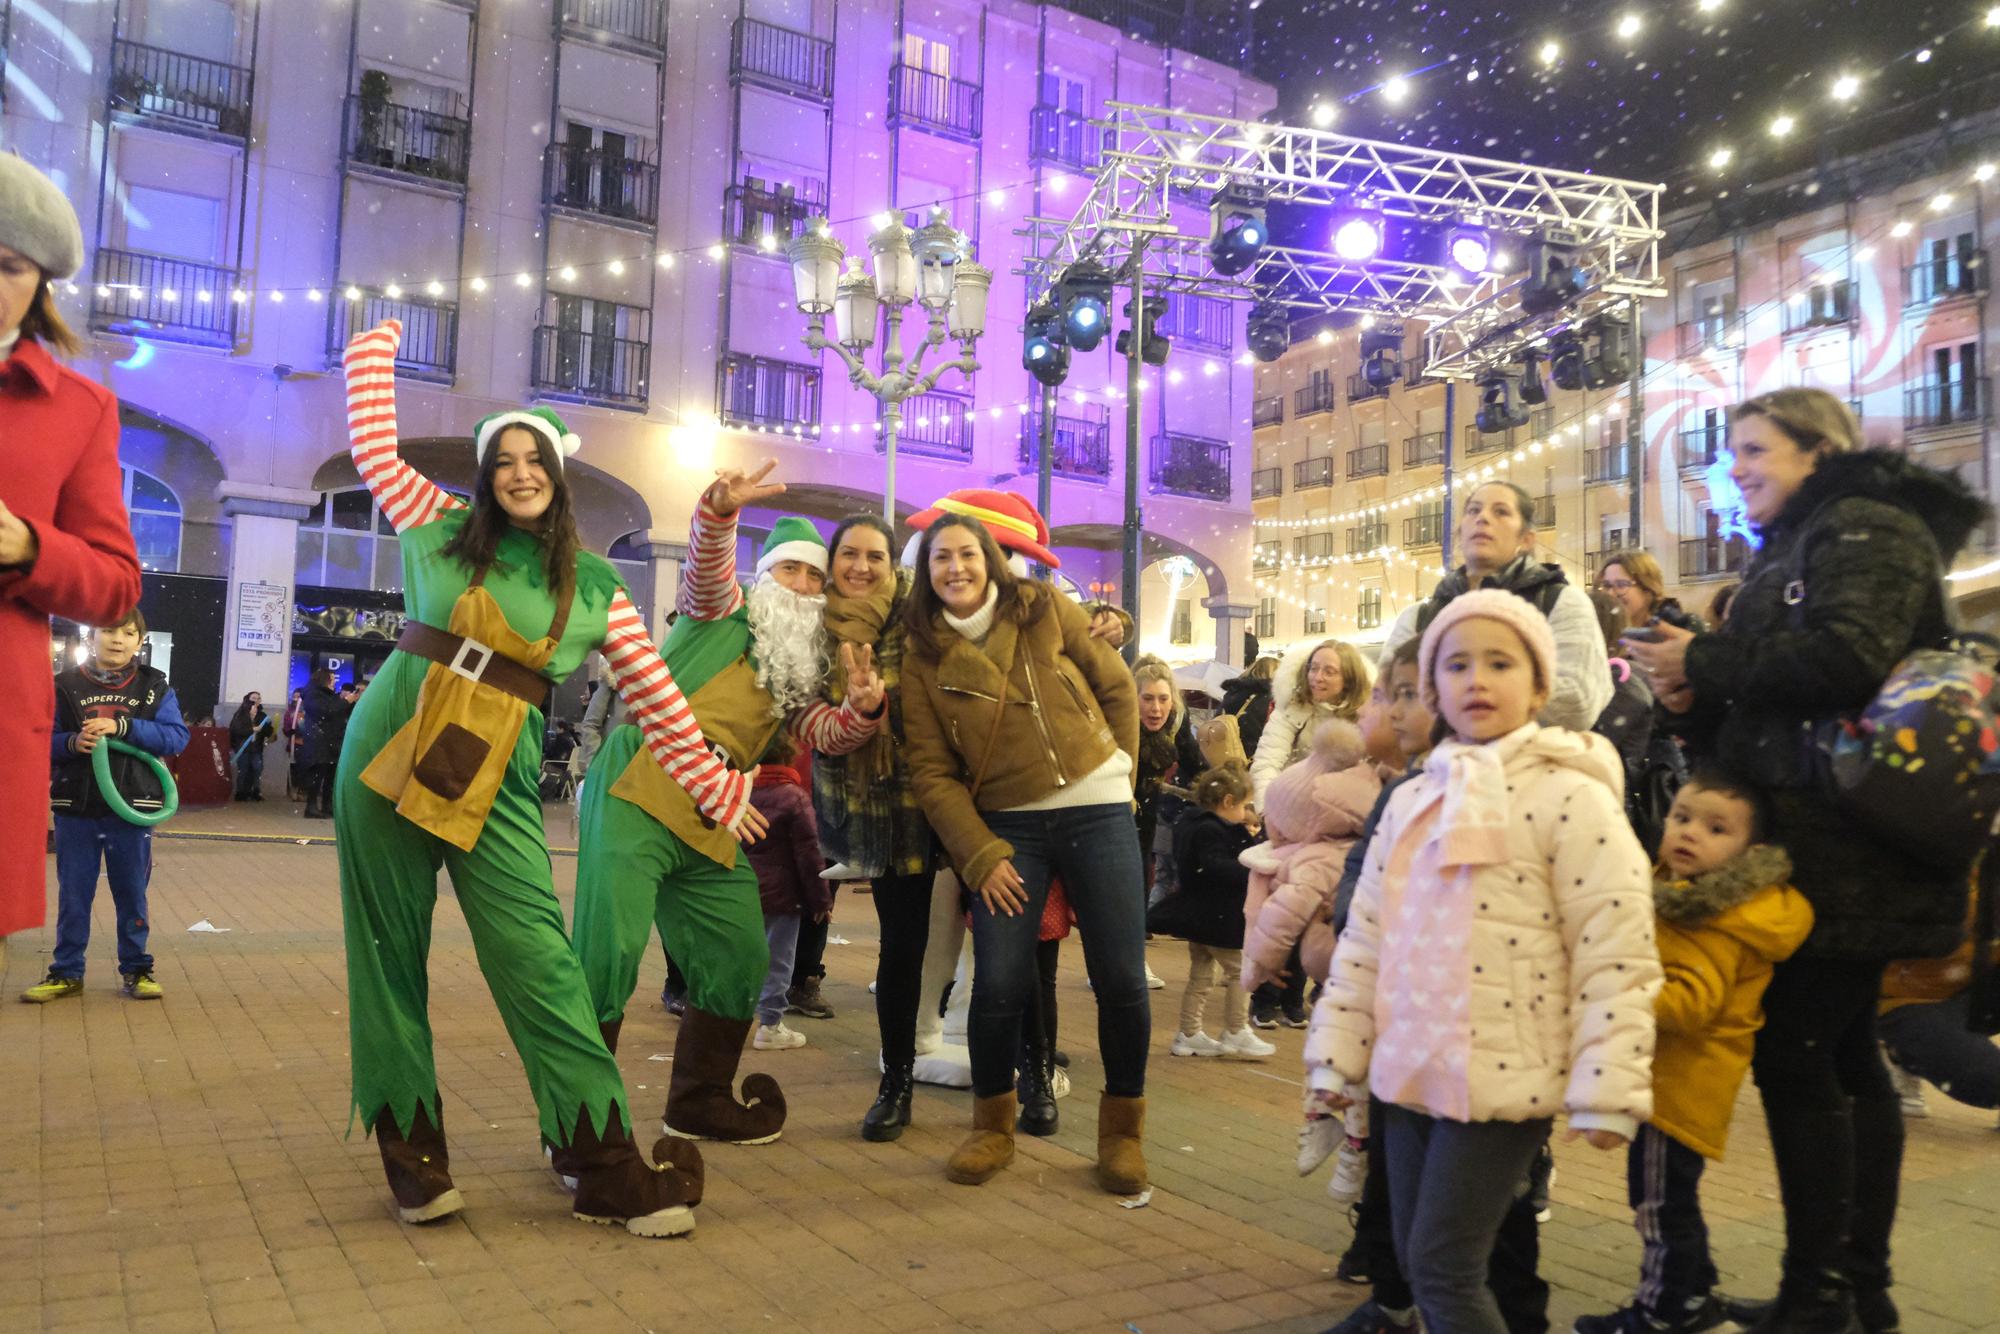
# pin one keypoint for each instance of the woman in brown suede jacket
(1021, 733)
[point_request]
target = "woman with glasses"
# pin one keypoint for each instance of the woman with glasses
(1634, 578)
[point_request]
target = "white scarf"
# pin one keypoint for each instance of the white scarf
(1472, 829)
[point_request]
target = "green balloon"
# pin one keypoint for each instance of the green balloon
(100, 764)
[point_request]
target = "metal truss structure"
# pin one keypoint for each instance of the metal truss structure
(1161, 164)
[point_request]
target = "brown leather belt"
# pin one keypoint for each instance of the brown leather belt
(474, 661)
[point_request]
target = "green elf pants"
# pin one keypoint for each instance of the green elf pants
(388, 886)
(633, 873)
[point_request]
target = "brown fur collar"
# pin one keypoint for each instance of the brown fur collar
(1709, 895)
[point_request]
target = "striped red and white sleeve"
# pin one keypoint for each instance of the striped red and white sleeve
(656, 705)
(832, 731)
(708, 575)
(407, 497)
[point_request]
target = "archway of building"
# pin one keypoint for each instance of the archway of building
(185, 463)
(1102, 539)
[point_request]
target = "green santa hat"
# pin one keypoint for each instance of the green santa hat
(793, 538)
(549, 428)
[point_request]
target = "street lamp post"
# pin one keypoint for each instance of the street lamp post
(933, 267)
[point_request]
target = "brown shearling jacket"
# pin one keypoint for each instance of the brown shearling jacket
(1069, 701)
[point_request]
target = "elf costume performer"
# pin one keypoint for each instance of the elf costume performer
(439, 770)
(646, 856)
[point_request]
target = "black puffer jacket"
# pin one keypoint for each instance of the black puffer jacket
(1247, 699)
(1866, 537)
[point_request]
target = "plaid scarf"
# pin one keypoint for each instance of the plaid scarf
(868, 816)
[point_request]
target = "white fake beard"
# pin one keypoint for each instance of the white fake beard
(790, 637)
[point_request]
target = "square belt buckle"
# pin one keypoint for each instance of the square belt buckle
(467, 648)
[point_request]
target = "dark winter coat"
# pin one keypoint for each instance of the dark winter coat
(257, 729)
(148, 717)
(325, 723)
(787, 859)
(1868, 535)
(1206, 852)
(1164, 759)
(1248, 700)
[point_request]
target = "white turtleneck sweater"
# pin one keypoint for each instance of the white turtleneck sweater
(1109, 784)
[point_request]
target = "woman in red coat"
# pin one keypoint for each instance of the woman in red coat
(65, 541)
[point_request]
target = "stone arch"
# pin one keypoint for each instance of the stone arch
(1153, 547)
(186, 463)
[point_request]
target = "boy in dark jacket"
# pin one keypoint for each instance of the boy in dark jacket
(111, 695)
(787, 862)
(1212, 884)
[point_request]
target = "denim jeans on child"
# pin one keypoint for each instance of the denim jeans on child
(1095, 849)
(1663, 1184)
(126, 850)
(1451, 1185)
(1931, 1041)
(782, 933)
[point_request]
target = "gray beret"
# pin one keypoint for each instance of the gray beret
(37, 220)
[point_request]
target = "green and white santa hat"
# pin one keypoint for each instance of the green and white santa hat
(549, 428)
(793, 538)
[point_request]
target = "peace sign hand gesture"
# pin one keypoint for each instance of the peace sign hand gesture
(864, 687)
(733, 488)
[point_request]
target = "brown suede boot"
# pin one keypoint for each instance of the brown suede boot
(1121, 1159)
(701, 1098)
(990, 1146)
(418, 1168)
(615, 1185)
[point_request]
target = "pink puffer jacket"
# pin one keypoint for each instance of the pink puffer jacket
(1293, 877)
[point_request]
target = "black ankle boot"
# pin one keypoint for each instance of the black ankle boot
(1820, 1304)
(891, 1112)
(1036, 1089)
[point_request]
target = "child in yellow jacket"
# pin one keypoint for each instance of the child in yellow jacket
(1726, 915)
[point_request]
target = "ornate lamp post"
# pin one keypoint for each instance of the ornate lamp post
(932, 267)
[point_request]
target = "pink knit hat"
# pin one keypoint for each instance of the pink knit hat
(1517, 613)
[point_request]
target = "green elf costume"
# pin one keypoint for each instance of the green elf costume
(646, 855)
(439, 770)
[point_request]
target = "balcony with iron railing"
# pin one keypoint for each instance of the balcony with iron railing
(408, 141)
(1266, 483)
(1424, 529)
(1368, 461)
(1359, 390)
(935, 102)
(1310, 473)
(575, 366)
(1545, 509)
(1479, 442)
(1313, 547)
(1700, 447)
(1267, 556)
(635, 25)
(1082, 442)
(1200, 323)
(1938, 407)
(1423, 449)
(938, 424)
(781, 59)
(1317, 396)
(1268, 411)
(1822, 305)
(1712, 331)
(1713, 557)
(1949, 277)
(768, 392)
(429, 346)
(1367, 537)
(1368, 610)
(173, 300)
(180, 92)
(1064, 137)
(1190, 465)
(1607, 463)
(1607, 546)
(757, 209)
(600, 184)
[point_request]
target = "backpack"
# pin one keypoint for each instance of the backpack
(1654, 765)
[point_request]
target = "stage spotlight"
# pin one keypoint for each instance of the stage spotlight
(1269, 331)
(1553, 278)
(1497, 409)
(1042, 352)
(1153, 347)
(1381, 357)
(1566, 362)
(1533, 391)
(1608, 352)
(1237, 229)
(1084, 295)
(1470, 249)
(1357, 236)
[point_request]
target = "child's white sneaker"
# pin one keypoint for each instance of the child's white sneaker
(1909, 1089)
(776, 1037)
(1153, 980)
(1318, 1138)
(1196, 1043)
(1350, 1170)
(1245, 1045)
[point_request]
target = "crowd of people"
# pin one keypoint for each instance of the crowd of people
(1552, 856)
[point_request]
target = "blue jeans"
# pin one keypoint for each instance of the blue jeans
(127, 852)
(1932, 1042)
(782, 933)
(1095, 850)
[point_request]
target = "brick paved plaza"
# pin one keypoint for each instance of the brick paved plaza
(184, 1166)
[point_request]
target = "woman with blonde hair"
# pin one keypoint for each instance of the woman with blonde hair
(1313, 683)
(1636, 580)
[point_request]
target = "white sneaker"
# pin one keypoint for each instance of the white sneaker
(1153, 982)
(1318, 1138)
(776, 1037)
(1350, 1170)
(1058, 1082)
(1196, 1043)
(1246, 1046)
(1909, 1089)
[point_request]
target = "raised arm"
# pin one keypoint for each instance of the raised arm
(406, 496)
(655, 704)
(708, 577)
